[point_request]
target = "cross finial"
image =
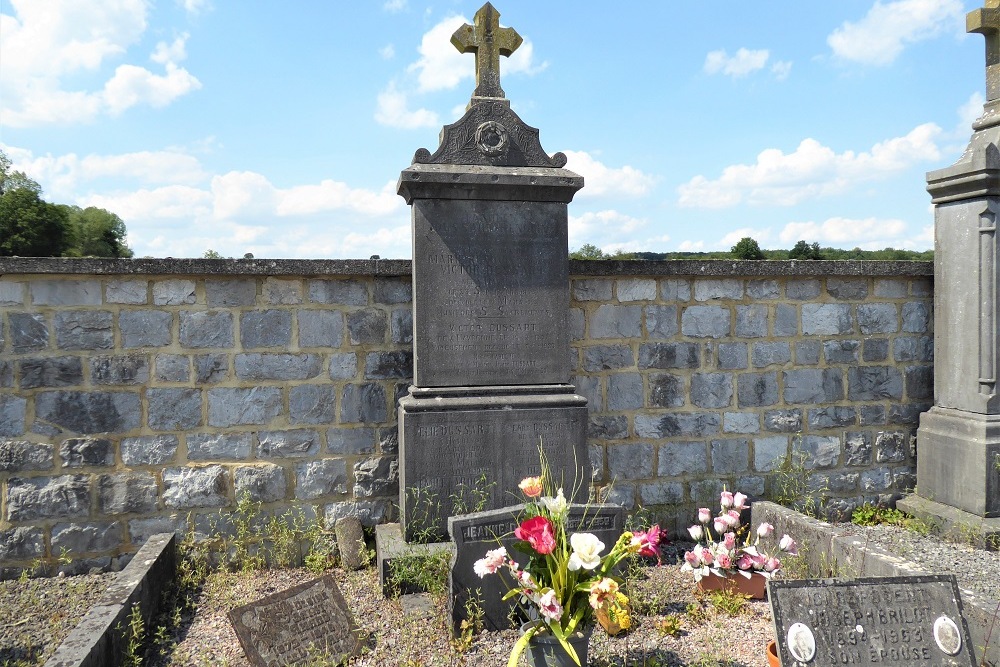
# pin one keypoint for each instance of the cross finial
(488, 41)
(986, 21)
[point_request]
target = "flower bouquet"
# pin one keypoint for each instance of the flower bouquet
(718, 550)
(565, 578)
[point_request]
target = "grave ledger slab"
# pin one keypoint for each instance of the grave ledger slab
(287, 627)
(475, 534)
(886, 621)
(490, 302)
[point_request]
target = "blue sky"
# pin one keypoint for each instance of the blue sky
(280, 127)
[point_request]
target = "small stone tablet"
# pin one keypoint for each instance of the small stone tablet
(885, 621)
(297, 624)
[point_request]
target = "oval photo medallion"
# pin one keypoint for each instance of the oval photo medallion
(801, 643)
(947, 635)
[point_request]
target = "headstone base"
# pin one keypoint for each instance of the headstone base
(389, 545)
(963, 526)
(463, 447)
(958, 460)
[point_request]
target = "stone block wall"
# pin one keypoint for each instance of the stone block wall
(138, 396)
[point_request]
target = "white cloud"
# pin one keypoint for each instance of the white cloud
(43, 45)
(393, 6)
(168, 202)
(781, 69)
(387, 52)
(392, 110)
(812, 170)
(596, 226)
(761, 236)
(195, 6)
(886, 29)
(867, 233)
(600, 179)
(739, 65)
(691, 246)
(969, 112)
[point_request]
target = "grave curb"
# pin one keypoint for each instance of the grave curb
(829, 548)
(99, 639)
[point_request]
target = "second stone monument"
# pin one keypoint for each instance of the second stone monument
(490, 303)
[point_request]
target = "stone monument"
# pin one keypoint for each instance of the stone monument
(490, 303)
(958, 442)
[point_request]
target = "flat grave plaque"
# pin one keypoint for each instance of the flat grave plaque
(885, 621)
(475, 534)
(290, 627)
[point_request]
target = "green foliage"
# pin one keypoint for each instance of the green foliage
(803, 250)
(873, 515)
(747, 248)
(466, 500)
(729, 601)
(591, 251)
(211, 254)
(670, 625)
(135, 638)
(95, 232)
(793, 485)
(30, 226)
(424, 570)
(15, 180)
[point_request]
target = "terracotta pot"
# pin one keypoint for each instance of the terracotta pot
(544, 650)
(772, 655)
(755, 586)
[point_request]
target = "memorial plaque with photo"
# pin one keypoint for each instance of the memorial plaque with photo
(297, 624)
(475, 534)
(885, 621)
(490, 294)
(484, 450)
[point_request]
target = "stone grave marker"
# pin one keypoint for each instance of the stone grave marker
(283, 628)
(885, 621)
(491, 368)
(475, 534)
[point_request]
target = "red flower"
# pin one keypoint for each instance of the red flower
(537, 532)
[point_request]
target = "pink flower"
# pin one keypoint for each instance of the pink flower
(729, 540)
(787, 544)
(772, 564)
(724, 561)
(531, 486)
(734, 518)
(739, 501)
(549, 607)
(601, 591)
(707, 558)
(696, 532)
(764, 530)
(720, 524)
(704, 515)
(692, 559)
(491, 563)
(726, 500)
(538, 532)
(648, 541)
(745, 562)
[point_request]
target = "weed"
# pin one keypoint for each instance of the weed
(135, 637)
(423, 571)
(696, 613)
(671, 625)
(423, 514)
(244, 546)
(472, 625)
(466, 500)
(794, 485)
(729, 601)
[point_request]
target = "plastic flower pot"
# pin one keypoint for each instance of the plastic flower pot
(755, 586)
(544, 650)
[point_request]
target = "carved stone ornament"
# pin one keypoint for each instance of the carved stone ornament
(490, 134)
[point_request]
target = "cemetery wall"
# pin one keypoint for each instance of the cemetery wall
(138, 396)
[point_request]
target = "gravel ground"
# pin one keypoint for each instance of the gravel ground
(208, 639)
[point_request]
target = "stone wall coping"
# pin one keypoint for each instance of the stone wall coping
(402, 267)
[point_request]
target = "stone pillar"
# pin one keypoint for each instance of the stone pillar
(490, 307)
(958, 442)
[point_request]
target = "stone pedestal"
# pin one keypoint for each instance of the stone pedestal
(958, 442)
(490, 338)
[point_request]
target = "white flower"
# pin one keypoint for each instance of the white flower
(490, 563)
(764, 530)
(788, 544)
(739, 501)
(549, 607)
(697, 532)
(556, 506)
(586, 551)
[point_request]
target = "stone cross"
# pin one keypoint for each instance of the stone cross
(488, 41)
(985, 21)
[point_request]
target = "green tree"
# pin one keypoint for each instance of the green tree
(96, 232)
(211, 254)
(803, 250)
(14, 180)
(31, 227)
(588, 251)
(747, 248)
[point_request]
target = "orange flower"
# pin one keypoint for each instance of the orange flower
(531, 486)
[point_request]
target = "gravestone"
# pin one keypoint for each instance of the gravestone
(292, 626)
(475, 534)
(885, 621)
(490, 302)
(958, 442)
